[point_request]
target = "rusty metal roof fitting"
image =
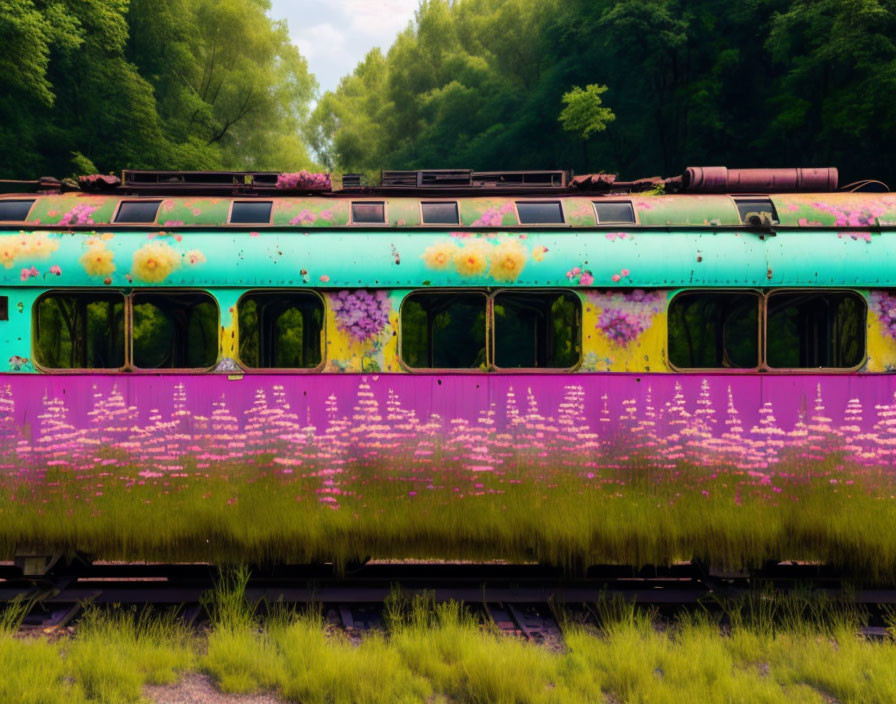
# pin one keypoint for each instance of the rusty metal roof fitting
(719, 179)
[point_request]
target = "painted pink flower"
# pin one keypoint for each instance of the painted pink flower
(28, 273)
(587, 279)
(324, 278)
(624, 272)
(55, 269)
(616, 278)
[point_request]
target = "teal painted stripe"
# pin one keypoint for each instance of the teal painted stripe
(398, 259)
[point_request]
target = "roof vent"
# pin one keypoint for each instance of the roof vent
(351, 180)
(434, 178)
(521, 179)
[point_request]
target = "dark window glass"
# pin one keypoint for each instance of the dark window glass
(369, 212)
(137, 211)
(256, 213)
(815, 329)
(614, 212)
(537, 330)
(79, 331)
(540, 212)
(714, 330)
(4, 307)
(280, 330)
(440, 213)
(443, 330)
(15, 210)
(175, 331)
(756, 211)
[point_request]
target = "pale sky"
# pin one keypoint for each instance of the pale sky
(334, 35)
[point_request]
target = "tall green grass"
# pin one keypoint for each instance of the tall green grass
(767, 648)
(621, 516)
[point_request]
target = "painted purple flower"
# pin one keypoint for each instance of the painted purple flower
(884, 304)
(625, 315)
(360, 313)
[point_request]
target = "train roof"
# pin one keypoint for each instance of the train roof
(700, 197)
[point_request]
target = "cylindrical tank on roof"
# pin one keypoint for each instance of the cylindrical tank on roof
(719, 179)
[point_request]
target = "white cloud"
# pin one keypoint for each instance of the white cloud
(321, 41)
(334, 35)
(380, 20)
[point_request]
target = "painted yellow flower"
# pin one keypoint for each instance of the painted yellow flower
(97, 260)
(472, 258)
(440, 256)
(194, 256)
(508, 260)
(37, 245)
(9, 250)
(153, 262)
(539, 252)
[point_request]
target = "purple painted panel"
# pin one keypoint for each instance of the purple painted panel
(159, 423)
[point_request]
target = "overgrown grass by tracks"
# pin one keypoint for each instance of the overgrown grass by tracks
(773, 648)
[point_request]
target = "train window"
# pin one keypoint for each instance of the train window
(250, 212)
(811, 330)
(439, 213)
(608, 213)
(137, 211)
(280, 330)
(4, 307)
(15, 210)
(444, 330)
(539, 212)
(714, 330)
(537, 330)
(756, 211)
(175, 330)
(368, 212)
(79, 330)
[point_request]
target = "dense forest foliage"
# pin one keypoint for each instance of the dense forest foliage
(108, 84)
(89, 85)
(479, 84)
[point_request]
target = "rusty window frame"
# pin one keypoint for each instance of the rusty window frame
(629, 203)
(129, 331)
(240, 201)
(432, 201)
(372, 201)
(816, 370)
(493, 363)
(764, 295)
(128, 201)
(323, 333)
(32, 201)
(39, 366)
(760, 330)
(445, 370)
(757, 199)
(541, 201)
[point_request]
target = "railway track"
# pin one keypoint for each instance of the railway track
(525, 600)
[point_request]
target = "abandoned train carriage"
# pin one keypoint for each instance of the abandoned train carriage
(445, 336)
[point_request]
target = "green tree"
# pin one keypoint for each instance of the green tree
(585, 113)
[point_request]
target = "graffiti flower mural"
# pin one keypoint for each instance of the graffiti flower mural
(440, 255)
(97, 260)
(473, 258)
(154, 262)
(625, 315)
(507, 260)
(362, 314)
